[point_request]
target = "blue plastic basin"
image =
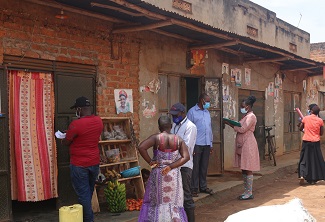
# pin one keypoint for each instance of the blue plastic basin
(132, 172)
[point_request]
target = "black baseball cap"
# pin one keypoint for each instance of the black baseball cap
(176, 108)
(81, 102)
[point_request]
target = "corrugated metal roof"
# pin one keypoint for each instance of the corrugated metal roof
(262, 50)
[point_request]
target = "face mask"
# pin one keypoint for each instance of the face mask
(243, 110)
(308, 112)
(78, 113)
(177, 119)
(206, 105)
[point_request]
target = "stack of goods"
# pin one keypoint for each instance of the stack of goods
(115, 194)
(133, 204)
(117, 133)
(112, 175)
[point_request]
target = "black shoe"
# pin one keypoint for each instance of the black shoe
(207, 190)
(194, 194)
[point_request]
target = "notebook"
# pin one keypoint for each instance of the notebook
(233, 122)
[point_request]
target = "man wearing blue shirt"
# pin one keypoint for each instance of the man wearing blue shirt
(185, 129)
(200, 116)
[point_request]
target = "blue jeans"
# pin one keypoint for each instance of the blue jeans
(83, 181)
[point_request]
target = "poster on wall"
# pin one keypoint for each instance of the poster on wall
(225, 68)
(277, 81)
(225, 93)
(276, 95)
(238, 77)
(123, 100)
(271, 89)
(248, 76)
(304, 85)
(233, 75)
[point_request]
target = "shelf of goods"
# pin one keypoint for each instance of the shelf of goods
(118, 152)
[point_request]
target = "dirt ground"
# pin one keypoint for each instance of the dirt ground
(270, 191)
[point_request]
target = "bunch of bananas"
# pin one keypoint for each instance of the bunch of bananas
(115, 194)
(112, 175)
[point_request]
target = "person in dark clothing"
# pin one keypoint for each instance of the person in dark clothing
(311, 164)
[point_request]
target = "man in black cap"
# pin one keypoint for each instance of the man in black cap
(82, 136)
(185, 129)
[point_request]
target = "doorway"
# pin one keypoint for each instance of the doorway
(259, 110)
(291, 133)
(186, 90)
(70, 81)
(192, 91)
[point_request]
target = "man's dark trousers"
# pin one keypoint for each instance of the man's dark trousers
(189, 205)
(200, 167)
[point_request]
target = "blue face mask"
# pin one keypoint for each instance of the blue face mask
(308, 112)
(243, 110)
(206, 105)
(177, 119)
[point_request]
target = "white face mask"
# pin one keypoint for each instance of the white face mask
(243, 110)
(78, 113)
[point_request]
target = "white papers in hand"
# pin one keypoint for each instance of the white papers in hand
(59, 134)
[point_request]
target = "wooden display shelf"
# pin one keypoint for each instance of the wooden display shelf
(114, 141)
(129, 178)
(121, 126)
(118, 163)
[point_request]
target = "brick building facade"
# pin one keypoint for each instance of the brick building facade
(146, 55)
(317, 51)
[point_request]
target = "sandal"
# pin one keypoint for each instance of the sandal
(207, 190)
(194, 194)
(242, 197)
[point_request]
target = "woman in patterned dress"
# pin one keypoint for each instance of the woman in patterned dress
(246, 150)
(163, 199)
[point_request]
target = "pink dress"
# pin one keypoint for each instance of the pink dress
(246, 149)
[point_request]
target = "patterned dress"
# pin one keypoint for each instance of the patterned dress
(247, 155)
(163, 199)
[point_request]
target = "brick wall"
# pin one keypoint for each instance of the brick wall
(31, 30)
(317, 51)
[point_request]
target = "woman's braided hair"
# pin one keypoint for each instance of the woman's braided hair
(250, 100)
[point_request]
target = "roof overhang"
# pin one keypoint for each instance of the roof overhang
(136, 15)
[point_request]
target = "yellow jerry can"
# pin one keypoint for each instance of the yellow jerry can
(71, 213)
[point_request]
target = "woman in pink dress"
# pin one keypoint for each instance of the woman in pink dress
(246, 150)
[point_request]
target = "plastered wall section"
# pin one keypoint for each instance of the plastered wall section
(261, 75)
(158, 54)
(235, 15)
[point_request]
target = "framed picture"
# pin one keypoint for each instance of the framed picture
(123, 100)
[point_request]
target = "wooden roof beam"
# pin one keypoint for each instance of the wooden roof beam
(95, 4)
(77, 10)
(173, 35)
(215, 46)
(267, 60)
(235, 52)
(142, 27)
(176, 22)
(298, 69)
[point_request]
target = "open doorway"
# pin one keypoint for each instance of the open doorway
(192, 91)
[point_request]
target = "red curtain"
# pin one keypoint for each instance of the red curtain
(33, 148)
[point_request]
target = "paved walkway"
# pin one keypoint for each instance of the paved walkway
(222, 186)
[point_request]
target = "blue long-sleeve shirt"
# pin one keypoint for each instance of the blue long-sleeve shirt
(202, 120)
